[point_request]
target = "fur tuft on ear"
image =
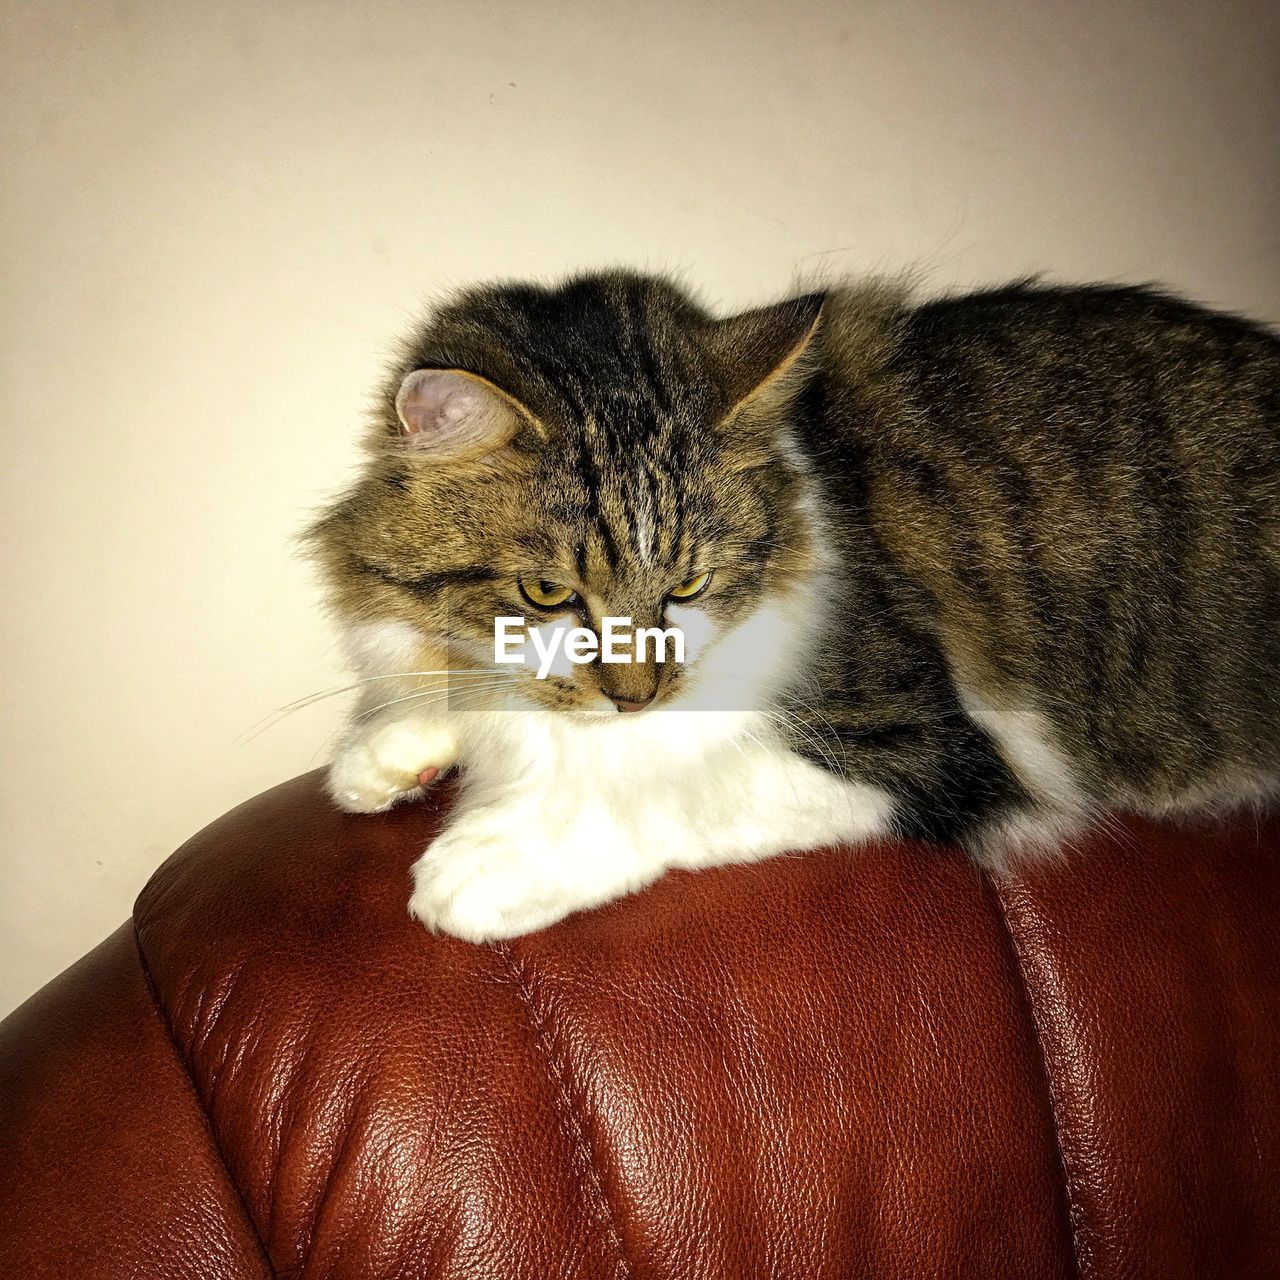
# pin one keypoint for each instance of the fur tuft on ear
(760, 353)
(450, 414)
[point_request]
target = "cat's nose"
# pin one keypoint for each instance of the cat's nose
(631, 704)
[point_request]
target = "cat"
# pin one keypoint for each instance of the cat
(977, 569)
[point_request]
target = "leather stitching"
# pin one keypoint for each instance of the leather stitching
(1045, 1065)
(163, 1014)
(575, 1126)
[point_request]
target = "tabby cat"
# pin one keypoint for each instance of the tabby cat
(978, 569)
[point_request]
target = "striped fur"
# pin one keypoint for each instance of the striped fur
(1037, 528)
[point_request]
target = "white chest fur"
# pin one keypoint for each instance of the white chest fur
(557, 816)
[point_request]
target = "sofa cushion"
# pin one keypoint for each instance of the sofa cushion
(874, 1062)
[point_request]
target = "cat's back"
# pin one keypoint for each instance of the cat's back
(1101, 370)
(1138, 322)
(1031, 300)
(1080, 407)
(1084, 484)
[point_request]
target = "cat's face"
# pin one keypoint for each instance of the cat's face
(562, 457)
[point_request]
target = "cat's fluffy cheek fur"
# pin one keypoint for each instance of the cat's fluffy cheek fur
(375, 648)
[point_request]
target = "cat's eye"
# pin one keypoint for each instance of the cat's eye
(543, 594)
(692, 589)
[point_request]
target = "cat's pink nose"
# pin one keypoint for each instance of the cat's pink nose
(631, 704)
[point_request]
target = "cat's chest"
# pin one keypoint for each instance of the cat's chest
(705, 783)
(656, 751)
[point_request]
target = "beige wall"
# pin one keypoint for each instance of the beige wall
(216, 215)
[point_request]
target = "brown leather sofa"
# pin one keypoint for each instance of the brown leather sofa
(848, 1064)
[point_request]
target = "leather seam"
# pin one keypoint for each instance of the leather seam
(1043, 1062)
(163, 1014)
(574, 1124)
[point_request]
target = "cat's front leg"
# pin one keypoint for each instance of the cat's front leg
(498, 872)
(388, 760)
(509, 867)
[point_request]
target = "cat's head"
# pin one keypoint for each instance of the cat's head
(600, 448)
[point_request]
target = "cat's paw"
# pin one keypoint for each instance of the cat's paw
(485, 884)
(389, 764)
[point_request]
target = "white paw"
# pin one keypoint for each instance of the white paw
(485, 879)
(382, 767)
(482, 887)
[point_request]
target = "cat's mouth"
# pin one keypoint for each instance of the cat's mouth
(601, 706)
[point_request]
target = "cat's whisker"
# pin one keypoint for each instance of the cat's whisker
(281, 713)
(431, 697)
(807, 736)
(460, 701)
(795, 793)
(791, 728)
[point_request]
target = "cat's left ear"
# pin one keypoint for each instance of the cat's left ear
(450, 415)
(762, 355)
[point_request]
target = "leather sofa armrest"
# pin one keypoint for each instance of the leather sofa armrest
(108, 1167)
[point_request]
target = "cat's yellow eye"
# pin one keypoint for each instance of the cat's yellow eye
(544, 594)
(692, 589)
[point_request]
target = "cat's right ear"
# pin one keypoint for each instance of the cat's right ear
(450, 415)
(761, 355)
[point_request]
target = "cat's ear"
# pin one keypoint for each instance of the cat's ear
(449, 414)
(761, 354)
